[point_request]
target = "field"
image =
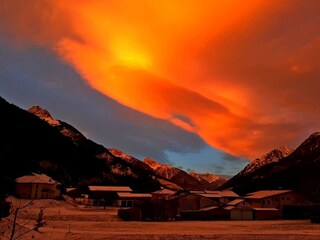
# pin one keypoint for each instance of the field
(67, 222)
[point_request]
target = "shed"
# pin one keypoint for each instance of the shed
(240, 213)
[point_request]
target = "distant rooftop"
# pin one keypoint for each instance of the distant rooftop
(219, 194)
(133, 195)
(164, 192)
(235, 202)
(266, 209)
(266, 193)
(110, 188)
(210, 195)
(36, 178)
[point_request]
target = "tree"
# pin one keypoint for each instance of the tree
(17, 230)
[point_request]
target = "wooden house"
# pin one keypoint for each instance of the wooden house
(171, 208)
(37, 186)
(129, 199)
(220, 196)
(102, 195)
(274, 199)
(163, 194)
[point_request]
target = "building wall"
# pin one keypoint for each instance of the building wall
(37, 190)
(189, 202)
(205, 202)
(291, 198)
(23, 190)
(266, 215)
(241, 214)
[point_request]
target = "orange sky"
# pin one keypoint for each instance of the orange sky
(230, 71)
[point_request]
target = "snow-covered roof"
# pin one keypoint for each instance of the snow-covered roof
(164, 192)
(228, 194)
(235, 202)
(266, 193)
(219, 194)
(229, 207)
(36, 178)
(70, 189)
(110, 188)
(266, 209)
(210, 195)
(133, 195)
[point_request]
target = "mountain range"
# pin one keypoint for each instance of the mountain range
(33, 141)
(283, 168)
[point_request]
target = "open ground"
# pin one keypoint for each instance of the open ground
(65, 221)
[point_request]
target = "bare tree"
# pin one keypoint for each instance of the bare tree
(18, 230)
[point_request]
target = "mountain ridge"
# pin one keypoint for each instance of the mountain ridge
(299, 171)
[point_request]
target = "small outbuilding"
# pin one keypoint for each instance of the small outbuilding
(105, 195)
(239, 213)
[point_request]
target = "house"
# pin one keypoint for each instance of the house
(239, 202)
(274, 199)
(190, 201)
(102, 195)
(163, 194)
(208, 213)
(220, 196)
(128, 199)
(37, 186)
(171, 208)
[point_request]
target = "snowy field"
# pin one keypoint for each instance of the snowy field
(65, 221)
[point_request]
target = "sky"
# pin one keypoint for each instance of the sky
(203, 85)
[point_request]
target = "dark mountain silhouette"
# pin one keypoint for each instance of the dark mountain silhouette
(30, 144)
(298, 170)
(135, 164)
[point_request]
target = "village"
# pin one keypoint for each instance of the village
(166, 204)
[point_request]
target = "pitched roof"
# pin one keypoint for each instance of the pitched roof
(229, 207)
(228, 194)
(198, 192)
(70, 189)
(266, 209)
(235, 202)
(36, 178)
(210, 195)
(266, 193)
(133, 195)
(164, 192)
(201, 210)
(218, 194)
(209, 208)
(110, 188)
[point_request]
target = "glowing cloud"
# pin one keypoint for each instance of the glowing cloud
(210, 67)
